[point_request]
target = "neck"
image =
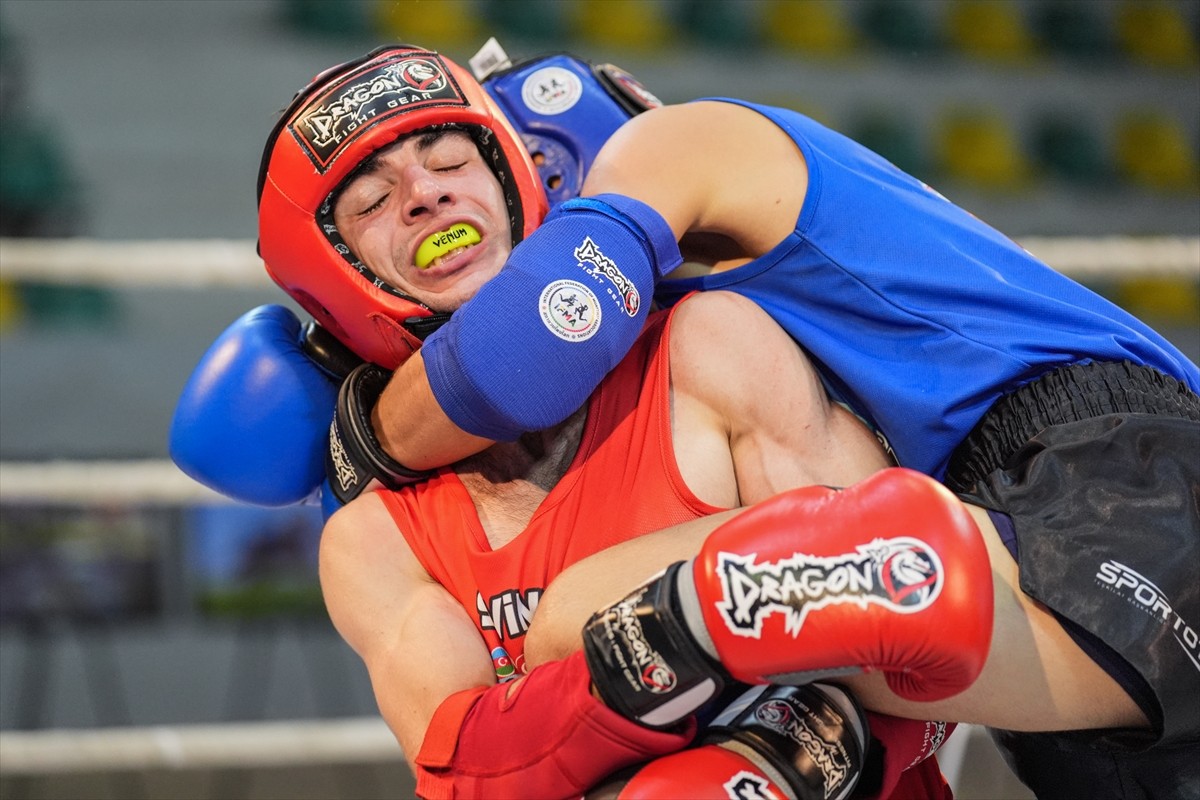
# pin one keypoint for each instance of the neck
(508, 481)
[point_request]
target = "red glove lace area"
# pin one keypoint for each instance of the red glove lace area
(548, 738)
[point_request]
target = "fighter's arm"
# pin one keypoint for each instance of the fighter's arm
(747, 193)
(542, 735)
(416, 641)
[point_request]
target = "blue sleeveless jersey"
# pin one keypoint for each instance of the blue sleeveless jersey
(918, 315)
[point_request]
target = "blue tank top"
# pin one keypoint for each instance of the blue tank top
(917, 314)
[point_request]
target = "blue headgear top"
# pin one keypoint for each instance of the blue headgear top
(564, 109)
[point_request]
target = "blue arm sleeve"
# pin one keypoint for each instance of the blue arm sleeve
(537, 339)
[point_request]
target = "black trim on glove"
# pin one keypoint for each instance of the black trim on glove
(354, 456)
(333, 357)
(644, 662)
(813, 736)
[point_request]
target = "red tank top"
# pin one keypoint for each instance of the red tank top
(622, 483)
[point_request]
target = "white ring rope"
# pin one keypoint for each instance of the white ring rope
(200, 263)
(92, 483)
(355, 740)
(206, 263)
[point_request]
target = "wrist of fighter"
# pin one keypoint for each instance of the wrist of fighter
(646, 664)
(548, 738)
(355, 457)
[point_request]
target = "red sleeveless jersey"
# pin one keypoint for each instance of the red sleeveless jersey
(622, 483)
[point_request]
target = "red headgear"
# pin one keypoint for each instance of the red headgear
(342, 117)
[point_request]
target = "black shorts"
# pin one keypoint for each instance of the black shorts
(1105, 517)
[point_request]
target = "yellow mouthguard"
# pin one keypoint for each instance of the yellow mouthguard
(443, 242)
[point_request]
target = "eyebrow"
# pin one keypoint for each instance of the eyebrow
(425, 140)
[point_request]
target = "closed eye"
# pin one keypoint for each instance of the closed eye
(378, 204)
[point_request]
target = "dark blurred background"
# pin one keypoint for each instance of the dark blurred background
(140, 120)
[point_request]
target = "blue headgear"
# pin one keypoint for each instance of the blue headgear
(565, 109)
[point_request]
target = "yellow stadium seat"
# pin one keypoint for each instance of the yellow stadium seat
(543, 20)
(1161, 299)
(978, 147)
(813, 27)
(11, 308)
(442, 25)
(626, 24)
(990, 30)
(1152, 151)
(1156, 33)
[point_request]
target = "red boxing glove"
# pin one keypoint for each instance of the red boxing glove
(711, 772)
(890, 574)
(805, 742)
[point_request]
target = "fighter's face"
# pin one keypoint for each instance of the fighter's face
(428, 216)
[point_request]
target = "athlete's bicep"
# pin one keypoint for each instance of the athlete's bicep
(417, 642)
(709, 167)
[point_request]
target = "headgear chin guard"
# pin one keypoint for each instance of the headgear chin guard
(342, 117)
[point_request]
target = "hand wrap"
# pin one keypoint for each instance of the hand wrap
(354, 455)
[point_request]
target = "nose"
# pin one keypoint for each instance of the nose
(426, 194)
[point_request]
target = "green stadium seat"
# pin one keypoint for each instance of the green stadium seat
(1069, 149)
(37, 184)
(721, 22)
(900, 26)
(1072, 29)
(530, 20)
(324, 18)
(892, 137)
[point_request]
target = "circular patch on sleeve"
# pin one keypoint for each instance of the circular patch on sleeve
(570, 310)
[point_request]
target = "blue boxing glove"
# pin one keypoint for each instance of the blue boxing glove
(530, 347)
(253, 420)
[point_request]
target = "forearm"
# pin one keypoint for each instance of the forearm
(604, 578)
(544, 735)
(413, 428)
(495, 370)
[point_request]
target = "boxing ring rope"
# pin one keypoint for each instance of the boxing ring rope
(294, 743)
(213, 264)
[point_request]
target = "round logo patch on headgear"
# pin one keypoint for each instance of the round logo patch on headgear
(551, 90)
(570, 310)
